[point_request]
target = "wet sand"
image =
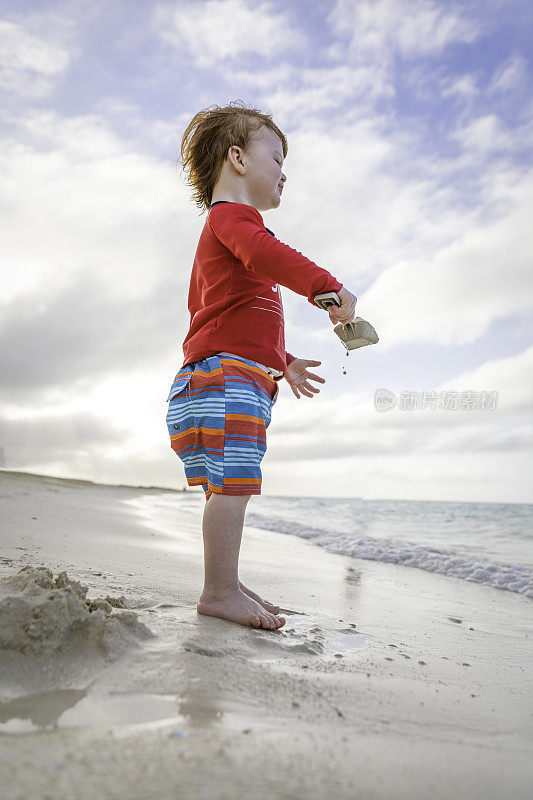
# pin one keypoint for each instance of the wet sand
(385, 681)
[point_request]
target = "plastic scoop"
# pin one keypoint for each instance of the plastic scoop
(357, 333)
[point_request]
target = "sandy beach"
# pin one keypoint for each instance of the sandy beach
(385, 682)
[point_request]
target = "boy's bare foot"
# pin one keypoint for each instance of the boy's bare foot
(265, 603)
(236, 606)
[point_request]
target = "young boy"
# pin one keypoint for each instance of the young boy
(221, 400)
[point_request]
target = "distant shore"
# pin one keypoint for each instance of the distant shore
(83, 482)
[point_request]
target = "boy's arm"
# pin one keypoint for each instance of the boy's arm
(289, 358)
(241, 229)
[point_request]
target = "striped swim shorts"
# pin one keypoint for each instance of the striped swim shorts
(218, 411)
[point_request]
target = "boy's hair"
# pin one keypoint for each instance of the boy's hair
(208, 137)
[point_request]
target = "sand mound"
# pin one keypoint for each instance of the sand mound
(43, 615)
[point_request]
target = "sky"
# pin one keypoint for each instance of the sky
(409, 178)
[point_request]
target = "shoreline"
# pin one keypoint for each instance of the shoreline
(385, 681)
(185, 488)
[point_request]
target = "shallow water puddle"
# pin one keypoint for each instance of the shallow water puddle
(73, 708)
(346, 641)
(305, 635)
(64, 709)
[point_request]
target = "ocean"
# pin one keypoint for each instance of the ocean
(490, 543)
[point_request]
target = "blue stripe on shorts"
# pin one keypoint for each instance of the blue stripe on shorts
(218, 413)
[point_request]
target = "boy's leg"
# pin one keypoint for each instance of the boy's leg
(222, 531)
(221, 597)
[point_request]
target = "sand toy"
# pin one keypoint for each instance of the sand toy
(357, 333)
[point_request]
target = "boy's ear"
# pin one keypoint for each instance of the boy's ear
(235, 157)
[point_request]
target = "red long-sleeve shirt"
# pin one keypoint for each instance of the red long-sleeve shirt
(234, 297)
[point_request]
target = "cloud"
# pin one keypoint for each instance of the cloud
(53, 437)
(226, 29)
(411, 28)
(464, 86)
(512, 375)
(471, 437)
(95, 255)
(404, 46)
(31, 61)
(489, 135)
(510, 75)
(75, 336)
(91, 201)
(453, 296)
(302, 93)
(349, 426)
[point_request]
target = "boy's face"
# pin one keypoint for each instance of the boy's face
(264, 176)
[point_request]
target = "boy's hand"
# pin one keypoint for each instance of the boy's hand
(298, 377)
(346, 311)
